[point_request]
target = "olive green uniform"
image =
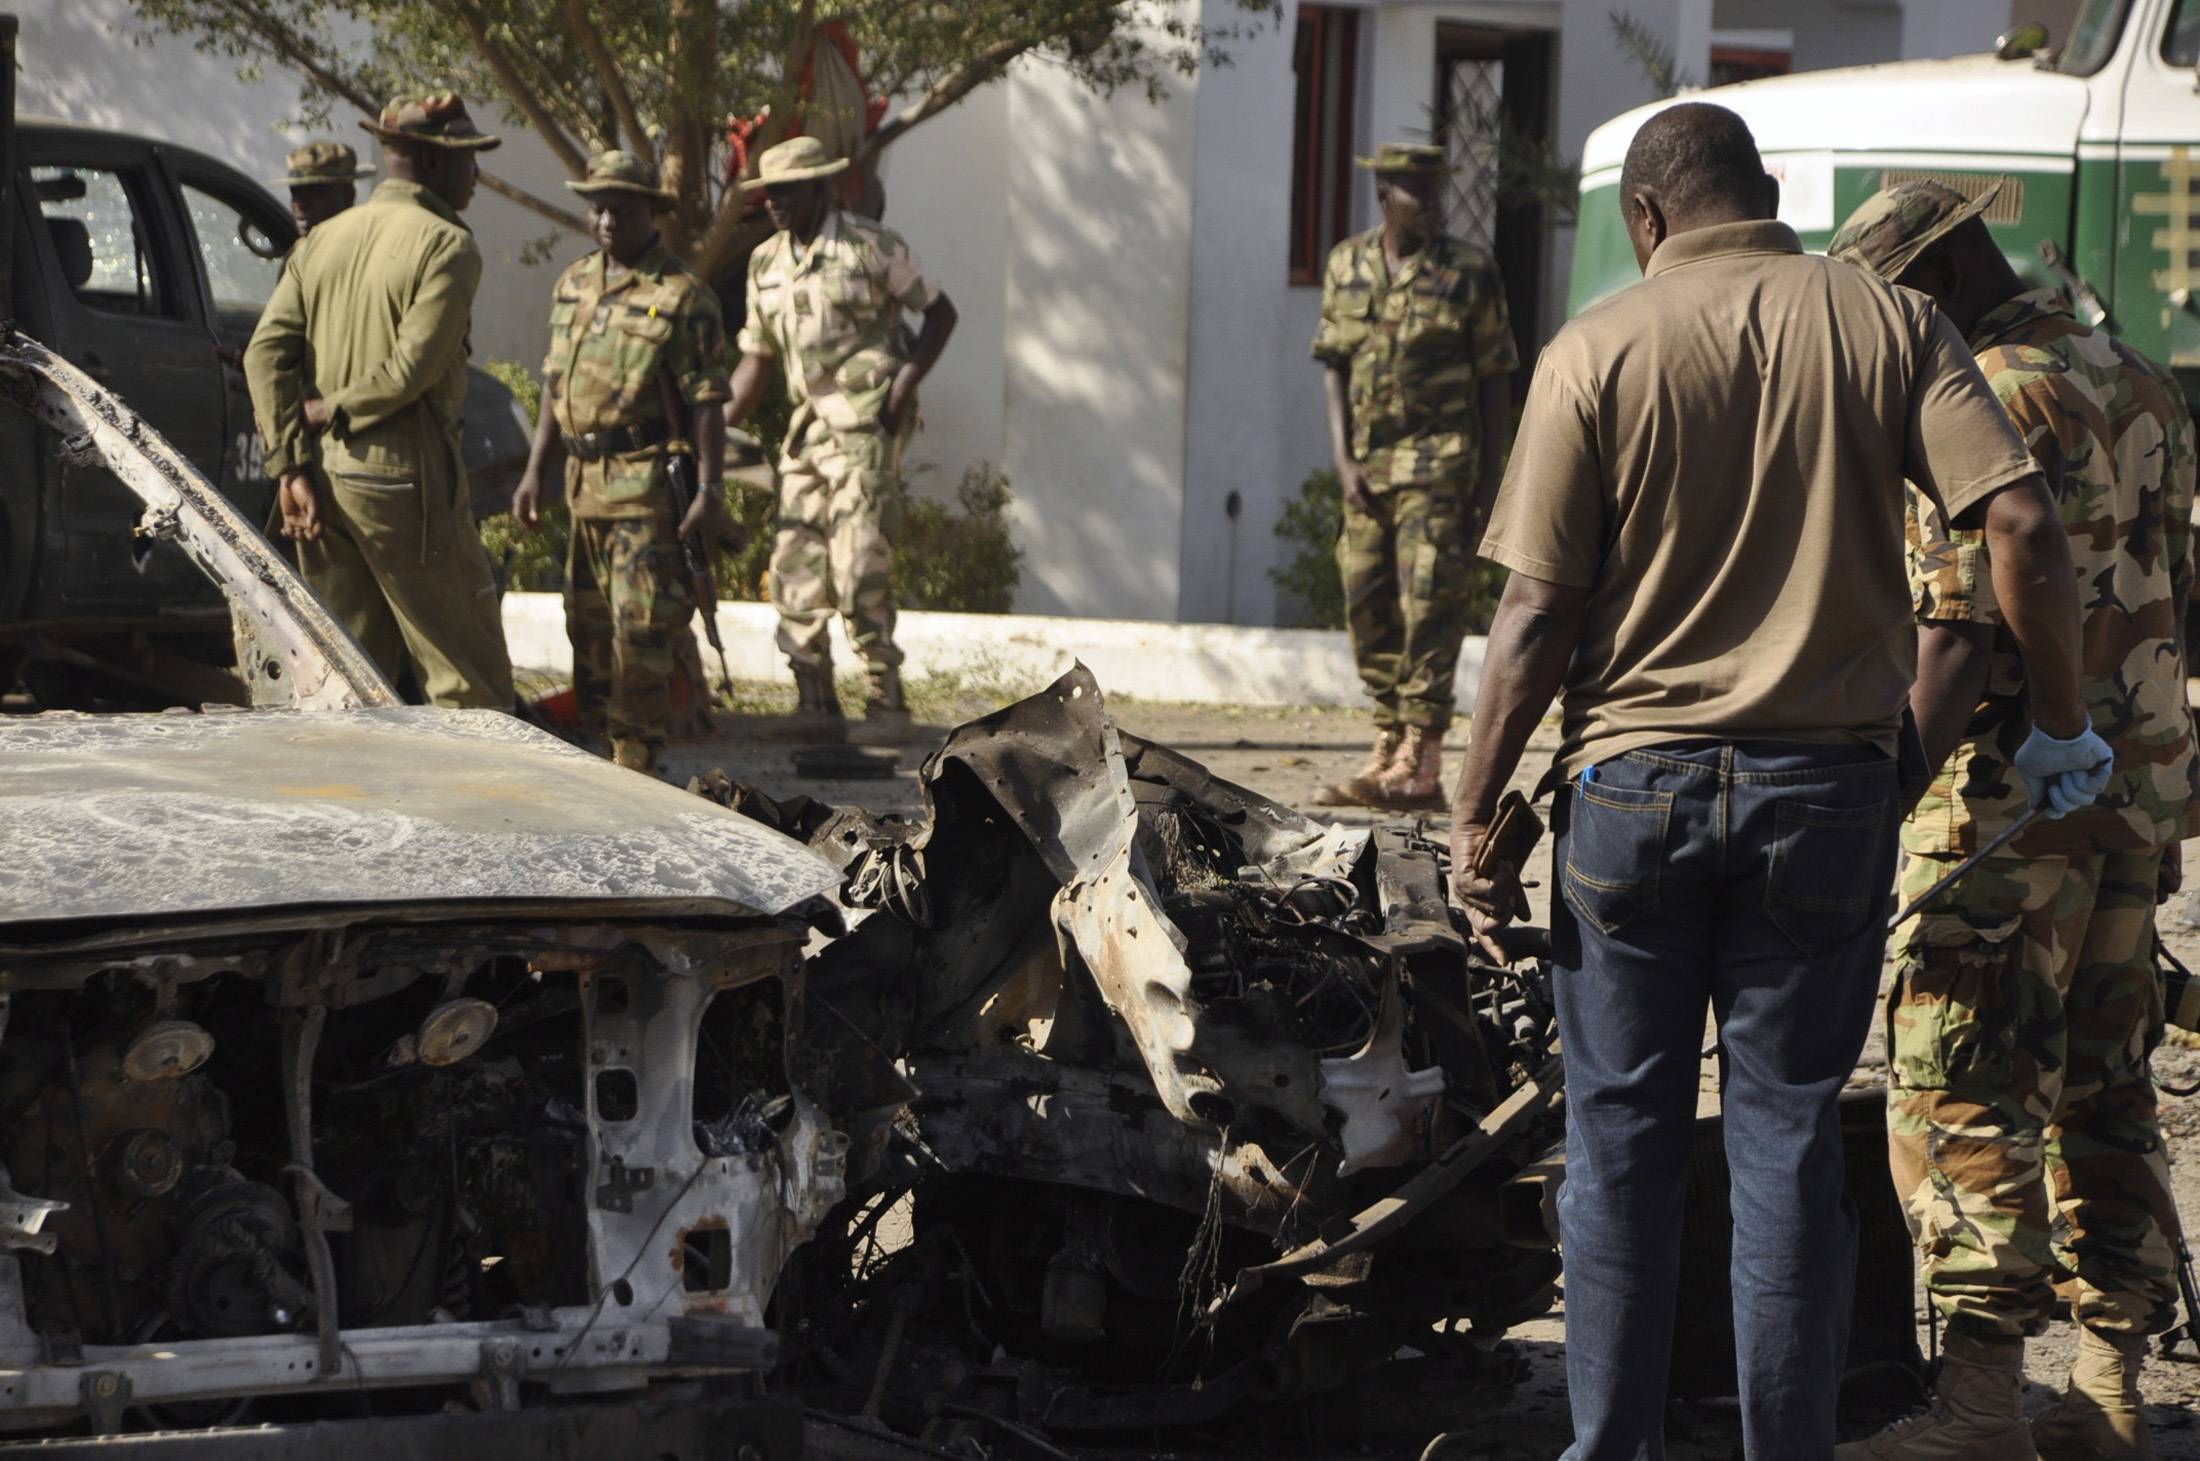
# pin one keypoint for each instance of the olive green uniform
(628, 600)
(1416, 346)
(371, 315)
(831, 312)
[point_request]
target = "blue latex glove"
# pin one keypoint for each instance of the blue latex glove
(2063, 776)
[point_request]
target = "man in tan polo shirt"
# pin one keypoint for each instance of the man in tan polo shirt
(1704, 518)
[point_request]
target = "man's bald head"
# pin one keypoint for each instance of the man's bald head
(1689, 167)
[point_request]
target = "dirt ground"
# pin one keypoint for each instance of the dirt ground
(1289, 755)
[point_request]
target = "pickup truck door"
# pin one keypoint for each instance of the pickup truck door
(2158, 186)
(124, 305)
(239, 239)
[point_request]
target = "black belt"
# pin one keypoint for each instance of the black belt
(594, 446)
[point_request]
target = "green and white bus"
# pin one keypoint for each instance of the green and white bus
(2097, 139)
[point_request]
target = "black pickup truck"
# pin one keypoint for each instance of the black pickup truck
(146, 264)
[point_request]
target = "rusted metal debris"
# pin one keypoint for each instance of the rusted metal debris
(1181, 1100)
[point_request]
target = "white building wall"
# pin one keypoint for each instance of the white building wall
(947, 192)
(1247, 375)
(1932, 29)
(1098, 311)
(1830, 33)
(93, 62)
(1132, 351)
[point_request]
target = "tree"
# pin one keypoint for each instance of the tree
(662, 78)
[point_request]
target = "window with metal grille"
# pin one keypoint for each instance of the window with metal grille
(1326, 64)
(1473, 104)
(2007, 207)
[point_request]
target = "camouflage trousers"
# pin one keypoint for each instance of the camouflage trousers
(2023, 1010)
(839, 508)
(628, 606)
(1406, 565)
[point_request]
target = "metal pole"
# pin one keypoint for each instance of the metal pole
(1964, 868)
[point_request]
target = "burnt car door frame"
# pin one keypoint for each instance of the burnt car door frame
(154, 361)
(243, 478)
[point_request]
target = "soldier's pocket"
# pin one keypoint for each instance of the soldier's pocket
(852, 291)
(646, 328)
(635, 479)
(1438, 324)
(1615, 846)
(870, 458)
(381, 510)
(1826, 881)
(1960, 1001)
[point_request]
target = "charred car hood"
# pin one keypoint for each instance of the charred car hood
(138, 817)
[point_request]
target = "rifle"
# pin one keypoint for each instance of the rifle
(694, 556)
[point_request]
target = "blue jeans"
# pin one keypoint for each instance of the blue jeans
(1755, 880)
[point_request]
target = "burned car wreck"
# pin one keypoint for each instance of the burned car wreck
(407, 1080)
(381, 1080)
(1175, 1099)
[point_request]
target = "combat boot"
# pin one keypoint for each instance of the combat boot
(817, 702)
(1977, 1414)
(1415, 780)
(1362, 790)
(634, 755)
(885, 711)
(2099, 1414)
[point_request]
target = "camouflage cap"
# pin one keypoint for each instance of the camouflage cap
(619, 171)
(321, 162)
(1893, 228)
(1408, 157)
(792, 161)
(437, 118)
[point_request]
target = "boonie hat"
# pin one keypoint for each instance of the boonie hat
(620, 171)
(321, 162)
(1892, 229)
(437, 117)
(793, 161)
(1407, 157)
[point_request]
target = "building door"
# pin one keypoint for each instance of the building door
(1493, 109)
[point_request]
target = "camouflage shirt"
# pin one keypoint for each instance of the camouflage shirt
(1415, 347)
(832, 313)
(2109, 430)
(609, 341)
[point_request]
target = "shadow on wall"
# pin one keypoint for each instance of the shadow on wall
(1099, 291)
(94, 62)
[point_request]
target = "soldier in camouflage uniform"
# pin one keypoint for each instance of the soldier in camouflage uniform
(624, 321)
(1419, 355)
(2025, 1001)
(826, 297)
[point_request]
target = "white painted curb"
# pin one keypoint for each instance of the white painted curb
(1197, 664)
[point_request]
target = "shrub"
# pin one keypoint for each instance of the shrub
(521, 382)
(530, 559)
(964, 560)
(1309, 527)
